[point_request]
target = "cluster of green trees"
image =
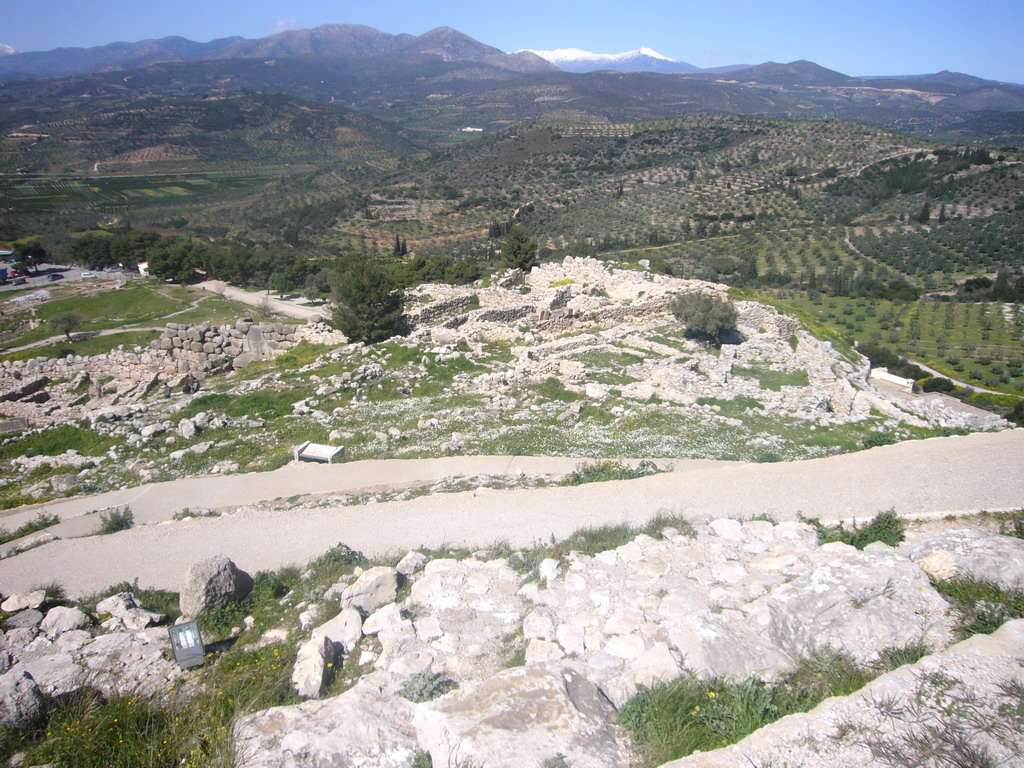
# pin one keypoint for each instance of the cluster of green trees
(1006, 287)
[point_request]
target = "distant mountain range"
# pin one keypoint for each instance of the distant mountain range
(334, 41)
(443, 80)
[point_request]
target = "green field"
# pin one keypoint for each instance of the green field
(137, 306)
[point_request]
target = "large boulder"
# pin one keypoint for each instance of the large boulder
(374, 588)
(969, 553)
(20, 699)
(213, 583)
(524, 717)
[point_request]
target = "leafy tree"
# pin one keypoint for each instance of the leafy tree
(66, 323)
(279, 284)
(28, 255)
(176, 259)
(368, 303)
(706, 317)
(519, 251)
(317, 286)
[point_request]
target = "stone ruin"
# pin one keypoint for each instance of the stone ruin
(48, 390)
(561, 311)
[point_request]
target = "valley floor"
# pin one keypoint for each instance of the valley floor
(932, 477)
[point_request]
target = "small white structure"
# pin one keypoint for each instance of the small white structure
(143, 267)
(310, 451)
(882, 374)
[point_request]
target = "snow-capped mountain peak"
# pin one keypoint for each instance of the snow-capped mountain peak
(6, 50)
(639, 60)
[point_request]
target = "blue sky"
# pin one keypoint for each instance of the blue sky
(860, 38)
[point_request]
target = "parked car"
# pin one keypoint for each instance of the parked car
(20, 281)
(54, 276)
(87, 275)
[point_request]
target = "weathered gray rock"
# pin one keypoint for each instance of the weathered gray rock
(19, 602)
(362, 727)
(20, 699)
(523, 717)
(65, 483)
(954, 707)
(244, 359)
(344, 630)
(411, 564)
(27, 619)
(255, 342)
(187, 429)
(466, 610)
(213, 583)
(311, 671)
(125, 607)
(980, 554)
(152, 430)
(859, 603)
(60, 620)
(54, 673)
(374, 588)
(383, 618)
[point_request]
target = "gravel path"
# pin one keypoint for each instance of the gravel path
(938, 476)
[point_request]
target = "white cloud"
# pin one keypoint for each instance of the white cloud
(284, 25)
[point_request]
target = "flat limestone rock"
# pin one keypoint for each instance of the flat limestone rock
(524, 717)
(360, 728)
(859, 603)
(980, 554)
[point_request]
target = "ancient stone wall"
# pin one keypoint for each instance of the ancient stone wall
(206, 348)
(438, 309)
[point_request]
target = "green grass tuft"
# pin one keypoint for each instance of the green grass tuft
(887, 527)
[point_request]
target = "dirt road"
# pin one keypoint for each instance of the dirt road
(259, 299)
(938, 476)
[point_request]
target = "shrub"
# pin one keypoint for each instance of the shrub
(887, 527)
(603, 471)
(426, 686)
(37, 523)
(705, 316)
(116, 519)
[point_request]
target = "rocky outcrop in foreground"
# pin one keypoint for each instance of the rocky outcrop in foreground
(729, 600)
(962, 706)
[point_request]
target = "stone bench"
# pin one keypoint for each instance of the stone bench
(310, 451)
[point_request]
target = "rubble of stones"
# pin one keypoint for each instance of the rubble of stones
(48, 651)
(55, 390)
(728, 600)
